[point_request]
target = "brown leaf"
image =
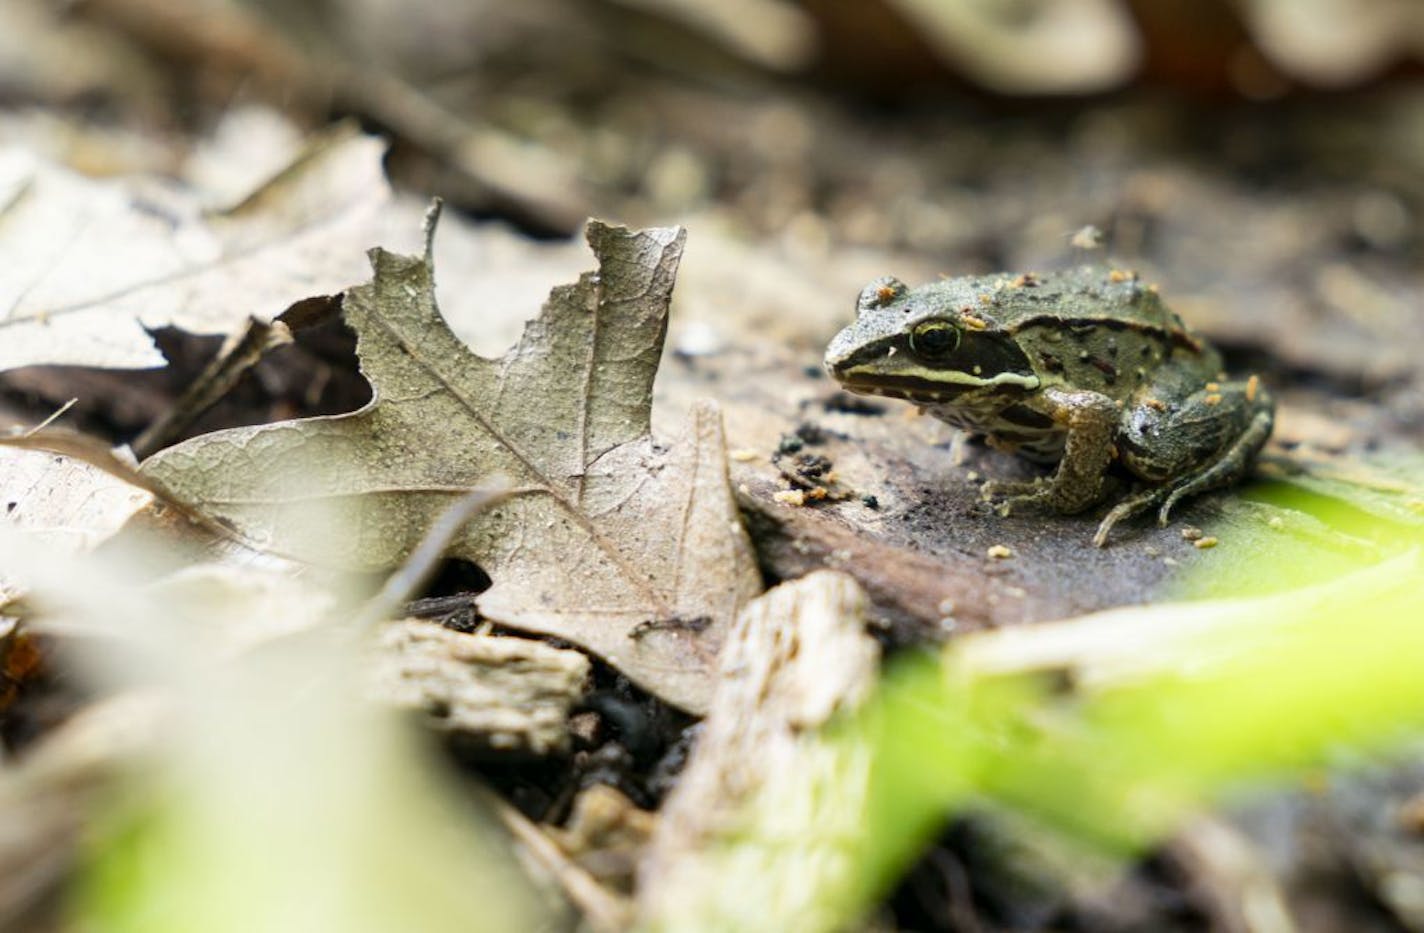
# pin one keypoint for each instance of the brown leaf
(90, 264)
(612, 541)
(63, 500)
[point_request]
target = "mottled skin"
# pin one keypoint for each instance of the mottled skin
(1080, 368)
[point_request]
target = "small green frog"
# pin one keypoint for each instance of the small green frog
(1081, 368)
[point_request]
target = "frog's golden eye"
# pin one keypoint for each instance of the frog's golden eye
(934, 339)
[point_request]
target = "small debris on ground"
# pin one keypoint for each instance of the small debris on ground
(790, 496)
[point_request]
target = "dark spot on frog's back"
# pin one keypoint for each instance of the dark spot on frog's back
(1107, 369)
(1025, 417)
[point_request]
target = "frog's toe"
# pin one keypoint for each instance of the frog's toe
(1042, 497)
(1007, 507)
(1125, 509)
(1014, 489)
(1100, 538)
(1164, 514)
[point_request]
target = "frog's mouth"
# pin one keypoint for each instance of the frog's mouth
(929, 386)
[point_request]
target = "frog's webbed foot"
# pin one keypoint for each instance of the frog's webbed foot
(1012, 495)
(1043, 495)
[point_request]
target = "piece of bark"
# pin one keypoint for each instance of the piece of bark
(794, 658)
(914, 595)
(504, 694)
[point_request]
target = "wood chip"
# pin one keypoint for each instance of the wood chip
(507, 694)
(795, 657)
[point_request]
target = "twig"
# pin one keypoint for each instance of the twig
(435, 607)
(239, 353)
(54, 416)
(423, 560)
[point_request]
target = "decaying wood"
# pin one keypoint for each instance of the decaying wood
(795, 657)
(916, 533)
(914, 595)
(507, 694)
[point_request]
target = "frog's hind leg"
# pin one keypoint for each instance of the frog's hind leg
(1226, 469)
(1206, 442)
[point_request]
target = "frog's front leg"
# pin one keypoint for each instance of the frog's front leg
(1090, 420)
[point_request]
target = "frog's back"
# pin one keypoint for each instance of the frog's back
(1087, 328)
(1083, 295)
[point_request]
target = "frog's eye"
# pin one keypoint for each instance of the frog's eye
(934, 339)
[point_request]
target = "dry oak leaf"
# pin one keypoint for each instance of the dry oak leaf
(64, 502)
(91, 265)
(629, 548)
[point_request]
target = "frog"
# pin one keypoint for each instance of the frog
(1084, 369)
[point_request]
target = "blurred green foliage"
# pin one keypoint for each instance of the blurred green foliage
(1121, 726)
